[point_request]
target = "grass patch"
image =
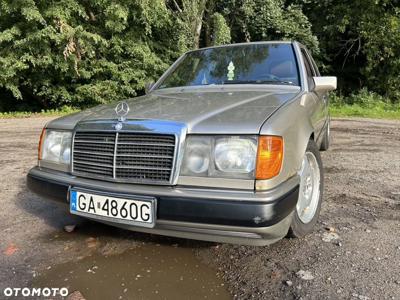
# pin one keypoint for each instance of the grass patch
(364, 104)
(355, 110)
(65, 110)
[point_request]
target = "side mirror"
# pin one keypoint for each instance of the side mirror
(325, 83)
(148, 86)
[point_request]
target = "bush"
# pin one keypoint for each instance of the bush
(82, 53)
(364, 103)
(363, 98)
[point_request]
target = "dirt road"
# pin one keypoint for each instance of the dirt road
(354, 252)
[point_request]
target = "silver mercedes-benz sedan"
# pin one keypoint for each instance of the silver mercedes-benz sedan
(223, 147)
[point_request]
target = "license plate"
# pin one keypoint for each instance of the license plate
(135, 211)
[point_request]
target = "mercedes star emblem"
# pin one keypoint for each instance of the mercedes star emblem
(122, 109)
(118, 126)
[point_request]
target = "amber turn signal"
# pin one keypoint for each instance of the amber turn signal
(41, 143)
(269, 156)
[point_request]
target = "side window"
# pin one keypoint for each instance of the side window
(309, 70)
(315, 67)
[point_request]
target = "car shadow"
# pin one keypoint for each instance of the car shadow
(56, 215)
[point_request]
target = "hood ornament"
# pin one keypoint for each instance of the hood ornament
(122, 109)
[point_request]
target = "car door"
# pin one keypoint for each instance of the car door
(319, 109)
(322, 95)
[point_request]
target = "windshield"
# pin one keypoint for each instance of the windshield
(242, 64)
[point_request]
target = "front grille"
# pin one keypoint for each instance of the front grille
(124, 156)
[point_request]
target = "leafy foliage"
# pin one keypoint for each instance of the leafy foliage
(364, 103)
(221, 31)
(84, 52)
(259, 20)
(80, 53)
(360, 42)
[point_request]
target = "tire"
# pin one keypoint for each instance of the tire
(327, 137)
(307, 210)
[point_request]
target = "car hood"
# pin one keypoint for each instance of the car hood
(202, 112)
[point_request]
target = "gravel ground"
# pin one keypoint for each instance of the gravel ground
(354, 252)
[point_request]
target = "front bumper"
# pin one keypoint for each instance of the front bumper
(220, 215)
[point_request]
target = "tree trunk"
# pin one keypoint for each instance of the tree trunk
(198, 21)
(208, 25)
(246, 33)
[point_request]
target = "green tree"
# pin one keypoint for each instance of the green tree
(360, 42)
(85, 52)
(260, 20)
(81, 53)
(190, 13)
(221, 33)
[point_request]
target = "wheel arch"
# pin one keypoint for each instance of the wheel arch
(293, 123)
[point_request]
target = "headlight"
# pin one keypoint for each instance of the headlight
(235, 154)
(225, 156)
(55, 146)
(197, 156)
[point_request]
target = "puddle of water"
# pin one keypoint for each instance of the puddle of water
(147, 272)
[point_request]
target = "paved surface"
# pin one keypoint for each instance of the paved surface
(354, 252)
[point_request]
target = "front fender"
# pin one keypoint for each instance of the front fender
(293, 122)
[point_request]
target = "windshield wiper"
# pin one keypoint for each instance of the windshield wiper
(257, 82)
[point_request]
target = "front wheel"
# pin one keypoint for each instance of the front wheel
(308, 205)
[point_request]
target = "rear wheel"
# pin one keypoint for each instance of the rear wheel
(308, 205)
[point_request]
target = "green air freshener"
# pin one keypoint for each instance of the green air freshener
(231, 69)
